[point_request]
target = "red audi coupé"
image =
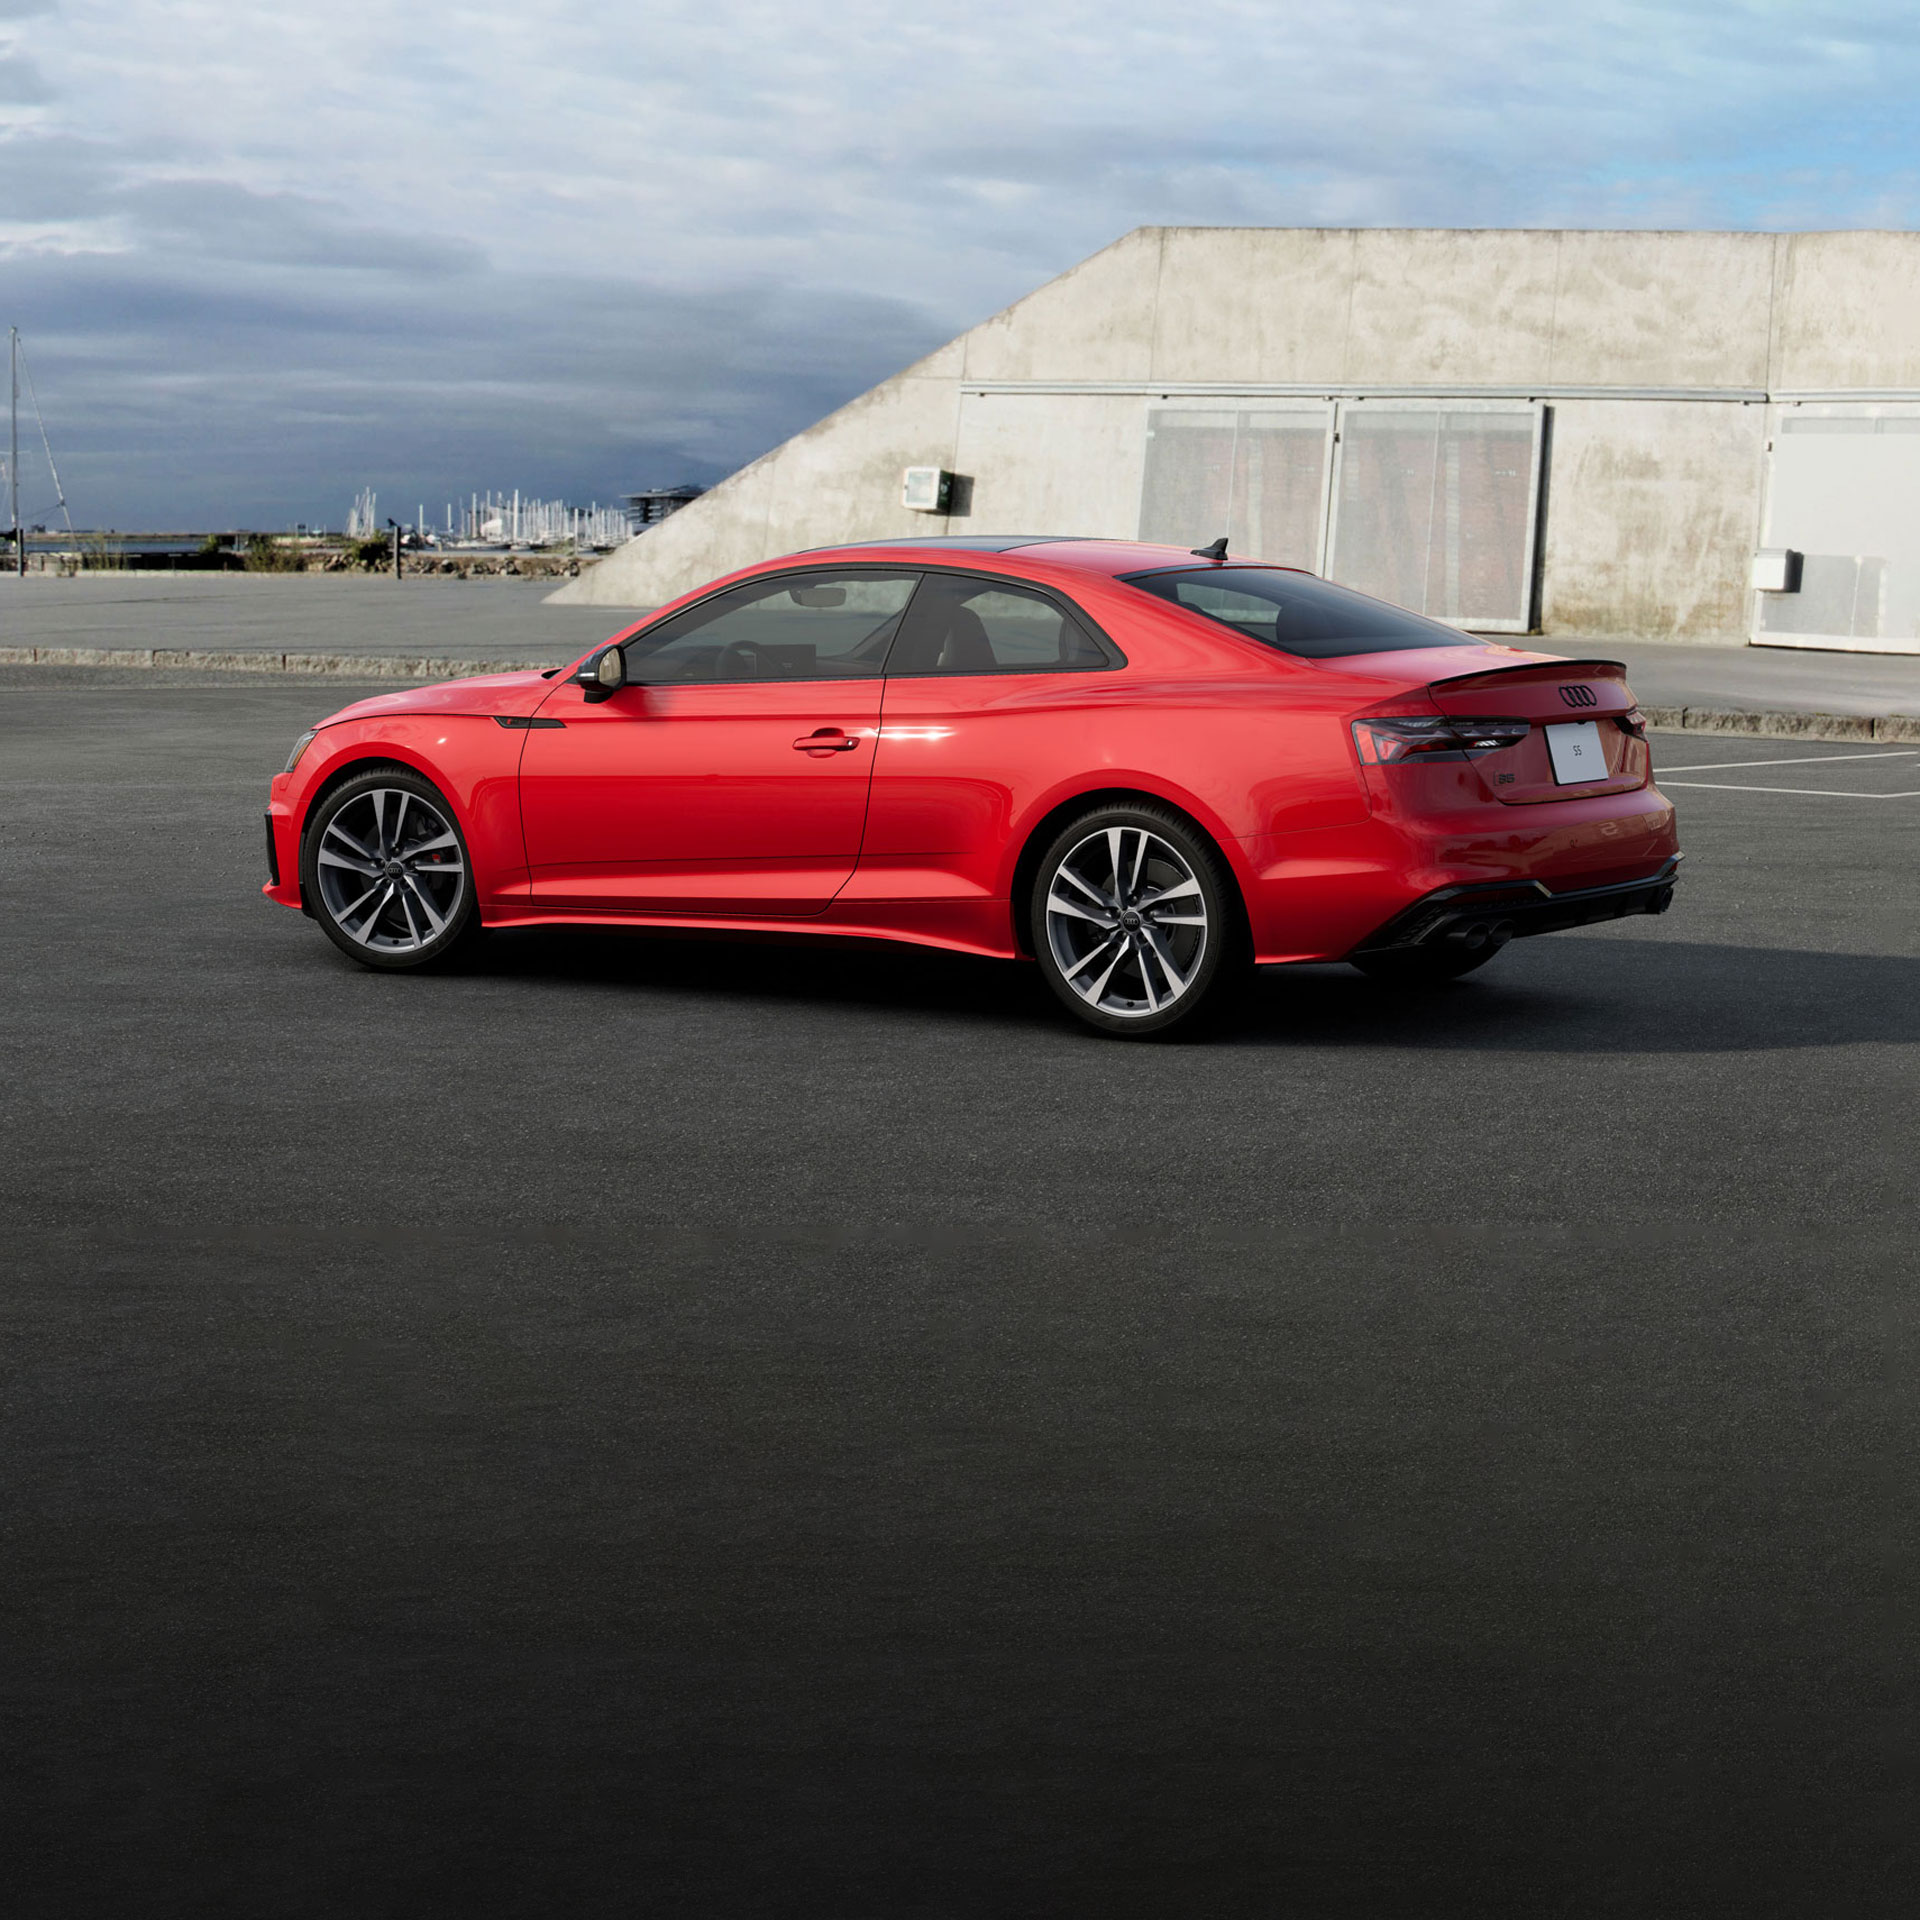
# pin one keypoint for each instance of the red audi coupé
(1147, 770)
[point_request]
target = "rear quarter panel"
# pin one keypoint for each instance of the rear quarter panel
(969, 769)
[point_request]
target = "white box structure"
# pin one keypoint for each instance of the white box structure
(1775, 570)
(926, 489)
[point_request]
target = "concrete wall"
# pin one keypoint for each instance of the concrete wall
(1051, 463)
(1652, 500)
(1651, 518)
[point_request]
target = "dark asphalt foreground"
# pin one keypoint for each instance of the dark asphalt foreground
(648, 1427)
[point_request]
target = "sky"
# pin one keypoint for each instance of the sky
(262, 258)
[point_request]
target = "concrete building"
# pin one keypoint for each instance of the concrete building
(648, 508)
(1570, 433)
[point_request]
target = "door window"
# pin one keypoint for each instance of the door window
(964, 624)
(794, 626)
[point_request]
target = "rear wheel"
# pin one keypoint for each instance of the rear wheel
(384, 867)
(1424, 966)
(1136, 923)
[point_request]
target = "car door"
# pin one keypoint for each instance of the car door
(729, 776)
(993, 687)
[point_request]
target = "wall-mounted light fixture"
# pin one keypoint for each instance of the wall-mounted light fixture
(926, 489)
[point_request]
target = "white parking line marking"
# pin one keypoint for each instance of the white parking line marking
(1802, 760)
(1817, 793)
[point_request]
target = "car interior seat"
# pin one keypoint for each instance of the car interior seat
(954, 642)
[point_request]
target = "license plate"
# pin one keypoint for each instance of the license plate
(1578, 754)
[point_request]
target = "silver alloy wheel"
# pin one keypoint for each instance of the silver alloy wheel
(1127, 922)
(390, 870)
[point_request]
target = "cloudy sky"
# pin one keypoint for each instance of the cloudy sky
(263, 257)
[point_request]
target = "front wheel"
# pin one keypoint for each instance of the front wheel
(384, 867)
(1136, 924)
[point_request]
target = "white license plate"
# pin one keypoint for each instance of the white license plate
(1577, 752)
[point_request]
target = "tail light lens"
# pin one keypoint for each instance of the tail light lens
(1386, 741)
(1634, 723)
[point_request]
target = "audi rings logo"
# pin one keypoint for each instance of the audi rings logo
(1579, 696)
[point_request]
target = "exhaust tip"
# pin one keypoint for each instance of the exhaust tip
(1479, 936)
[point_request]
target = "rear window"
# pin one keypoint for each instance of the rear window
(1296, 613)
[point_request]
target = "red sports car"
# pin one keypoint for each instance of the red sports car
(1144, 769)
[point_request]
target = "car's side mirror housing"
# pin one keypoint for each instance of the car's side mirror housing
(604, 674)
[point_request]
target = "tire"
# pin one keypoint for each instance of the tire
(1422, 966)
(1185, 951)
(389, 838)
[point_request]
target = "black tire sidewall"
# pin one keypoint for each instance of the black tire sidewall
(466, 920)
(1221, 970)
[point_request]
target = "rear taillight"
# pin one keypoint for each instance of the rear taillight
(1384, 742)
(1634, 723)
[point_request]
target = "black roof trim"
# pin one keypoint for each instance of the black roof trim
(961, 542)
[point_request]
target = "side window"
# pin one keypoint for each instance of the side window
(793, 626)
(971, 625)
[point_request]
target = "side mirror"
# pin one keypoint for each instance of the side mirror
(605, 674)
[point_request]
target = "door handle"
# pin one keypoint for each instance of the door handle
(826, 740)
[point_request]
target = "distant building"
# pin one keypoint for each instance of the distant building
(648, 509)
(1709, 435)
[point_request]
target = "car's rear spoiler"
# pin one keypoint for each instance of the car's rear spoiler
(1537, 670)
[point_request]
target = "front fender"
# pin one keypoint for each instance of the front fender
(470, 758)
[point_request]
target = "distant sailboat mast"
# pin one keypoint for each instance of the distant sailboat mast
(13, 452)
(16, 370)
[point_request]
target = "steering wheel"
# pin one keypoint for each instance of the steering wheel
(738, 656)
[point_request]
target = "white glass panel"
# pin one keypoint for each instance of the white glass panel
(1279, 488)
(1433, 511)
(1845, 491)
(1257, 475)
(1189, 484)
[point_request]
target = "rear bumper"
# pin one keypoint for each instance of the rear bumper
(1474, 916)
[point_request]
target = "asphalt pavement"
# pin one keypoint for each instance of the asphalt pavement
(689, 1428)
(321, 614)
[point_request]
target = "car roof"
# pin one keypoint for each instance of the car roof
(952, 542)
(1085, 553)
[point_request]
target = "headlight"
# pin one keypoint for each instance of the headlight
(299, 747)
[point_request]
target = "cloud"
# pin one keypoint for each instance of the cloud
(452, 247)
(260, 408)
(231, 223)
(20, 82)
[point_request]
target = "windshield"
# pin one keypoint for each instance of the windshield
(1296, 613)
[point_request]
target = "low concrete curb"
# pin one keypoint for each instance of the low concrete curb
(388, 666)
(353, 666)
(1786, 726)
